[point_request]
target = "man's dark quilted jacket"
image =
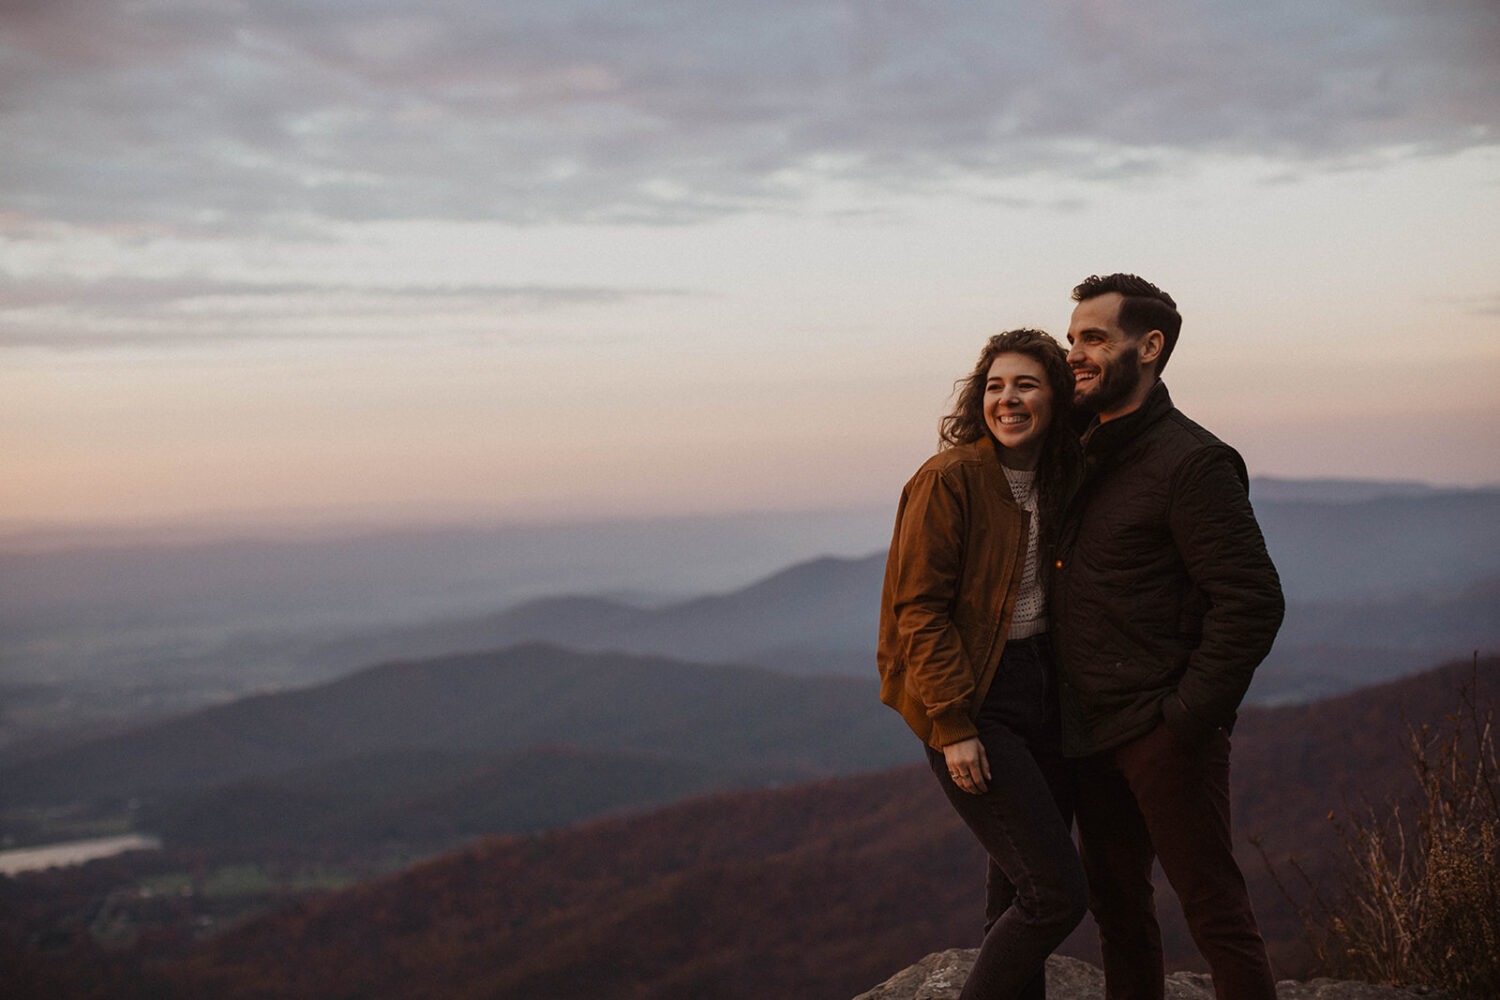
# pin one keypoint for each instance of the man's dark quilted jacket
(1164, 600)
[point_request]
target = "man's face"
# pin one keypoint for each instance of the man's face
(1105, 360)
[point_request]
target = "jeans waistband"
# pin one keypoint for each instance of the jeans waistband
(1040, 639)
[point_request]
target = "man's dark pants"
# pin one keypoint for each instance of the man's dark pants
(1151, 798)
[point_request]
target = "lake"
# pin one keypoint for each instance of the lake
(35, 859)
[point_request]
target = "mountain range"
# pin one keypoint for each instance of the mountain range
(820, 617)
(451, 747)
(443, 707)
(817, 891)
(98, 636)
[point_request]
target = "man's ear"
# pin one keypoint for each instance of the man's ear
(1150, 346)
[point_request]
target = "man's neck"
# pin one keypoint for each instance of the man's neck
(1133, 402)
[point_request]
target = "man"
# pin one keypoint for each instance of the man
(1165, 601)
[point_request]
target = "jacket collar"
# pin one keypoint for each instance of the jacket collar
(987, 449)
(1099, 438)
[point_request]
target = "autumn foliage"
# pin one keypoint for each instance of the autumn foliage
(817, 891)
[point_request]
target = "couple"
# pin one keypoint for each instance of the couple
(1069, 625)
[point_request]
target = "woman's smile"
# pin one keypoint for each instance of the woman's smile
(1018, 407)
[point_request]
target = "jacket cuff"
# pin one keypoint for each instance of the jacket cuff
(952, 727)
(1190, 729)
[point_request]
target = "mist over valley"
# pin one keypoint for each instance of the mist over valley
(1381, 578)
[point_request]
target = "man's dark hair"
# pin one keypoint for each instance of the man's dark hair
(1145, 308)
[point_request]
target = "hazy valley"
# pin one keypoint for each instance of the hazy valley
(1382, 579)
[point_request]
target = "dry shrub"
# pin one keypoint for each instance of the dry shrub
(1418, 901)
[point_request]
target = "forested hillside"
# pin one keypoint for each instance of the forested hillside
(816, 891)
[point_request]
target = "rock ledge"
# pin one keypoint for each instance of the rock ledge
(941, 975)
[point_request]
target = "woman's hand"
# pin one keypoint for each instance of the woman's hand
(968, 765)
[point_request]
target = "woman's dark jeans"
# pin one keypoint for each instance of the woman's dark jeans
(1036, 891)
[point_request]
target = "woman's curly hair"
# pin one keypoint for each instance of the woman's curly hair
(1060, 449)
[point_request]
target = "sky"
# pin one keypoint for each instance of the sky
(551, 259)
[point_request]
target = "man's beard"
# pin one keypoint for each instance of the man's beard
(1116, 381)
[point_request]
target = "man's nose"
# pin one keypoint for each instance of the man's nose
(1075, 354)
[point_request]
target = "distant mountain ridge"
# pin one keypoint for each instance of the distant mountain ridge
(819, 618)
(1377, 588)
(104, 638)
(1438, 558)
(1279, 489)
(1383, 547)
(452, 724)
(824, 605)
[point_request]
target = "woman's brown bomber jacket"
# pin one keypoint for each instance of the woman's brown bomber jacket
(950, 584)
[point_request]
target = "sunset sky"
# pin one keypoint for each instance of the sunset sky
(561, 258)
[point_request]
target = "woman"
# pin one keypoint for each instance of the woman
(963, 645)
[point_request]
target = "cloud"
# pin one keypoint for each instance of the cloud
(127, 312)
(1486, 305)
(226, 116)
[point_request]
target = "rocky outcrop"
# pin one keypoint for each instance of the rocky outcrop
(941, 975)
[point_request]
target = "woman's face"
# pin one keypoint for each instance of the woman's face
(1018, 407)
